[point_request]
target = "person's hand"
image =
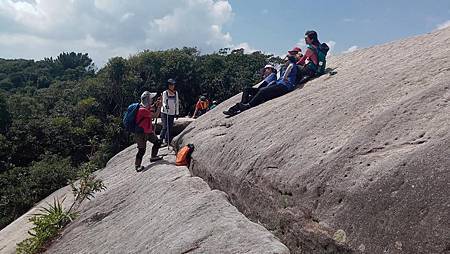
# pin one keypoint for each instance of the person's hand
(176, 117)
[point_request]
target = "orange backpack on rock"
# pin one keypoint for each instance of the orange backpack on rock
(184, 155)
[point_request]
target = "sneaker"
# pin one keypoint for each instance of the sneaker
(139, 168)
(164, 144)
(229, 112)
(157, 158)
(244, 106)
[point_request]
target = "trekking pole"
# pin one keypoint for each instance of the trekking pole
(167, 125)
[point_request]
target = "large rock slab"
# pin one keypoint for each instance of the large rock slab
(160, 210)
(358, 161)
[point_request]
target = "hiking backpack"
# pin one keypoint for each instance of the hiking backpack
(321, 53)
(129, 118)
(184, 155)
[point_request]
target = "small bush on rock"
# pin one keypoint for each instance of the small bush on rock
(49, 221)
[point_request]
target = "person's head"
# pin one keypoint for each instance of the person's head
(214, 102)
(311, 38)
(146, 98)
(202, 98)
(171, 84)
(295, 51)
(291, 59)
(268, 69)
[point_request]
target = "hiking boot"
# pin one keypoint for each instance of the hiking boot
(156, 158)
(230, 112)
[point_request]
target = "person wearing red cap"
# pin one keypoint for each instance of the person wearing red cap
(297, 52)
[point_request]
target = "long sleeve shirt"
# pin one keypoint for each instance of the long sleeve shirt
(288, 78)
(144, 119)
(170, 104)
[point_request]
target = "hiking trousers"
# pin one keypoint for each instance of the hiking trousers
(248, 94)
(141, 141)
(167, 126)
(268, 93)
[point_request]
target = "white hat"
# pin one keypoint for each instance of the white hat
(269, 66)
(146, 98)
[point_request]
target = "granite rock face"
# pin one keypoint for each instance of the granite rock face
(357, 162)
(162, 209)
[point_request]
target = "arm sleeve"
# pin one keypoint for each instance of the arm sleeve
(260, 83)
(288, 70)
(177, 106)
(138, 116)
(164, 102)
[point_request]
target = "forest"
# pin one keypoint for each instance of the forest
(57, 114)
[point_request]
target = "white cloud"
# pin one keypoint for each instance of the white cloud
(247, 48)
(105, 28)
(351, 49)
(331, 45)
(443, 25)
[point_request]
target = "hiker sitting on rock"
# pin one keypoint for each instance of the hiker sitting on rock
(297, 52)
(282, 86)
(308, 65)
(270, 78)
(145, 130)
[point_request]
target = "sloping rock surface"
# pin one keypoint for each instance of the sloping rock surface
(365, 151)
(160, 210)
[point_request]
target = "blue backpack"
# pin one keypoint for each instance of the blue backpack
(129, 118)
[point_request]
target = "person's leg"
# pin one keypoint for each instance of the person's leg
(162, 134)
(141, 142)
(267, 93)
(155, 148)
(169, 131)
(248, 93)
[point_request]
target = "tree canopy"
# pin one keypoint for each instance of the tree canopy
(58, 113)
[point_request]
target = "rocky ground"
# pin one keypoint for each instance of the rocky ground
(364, 152)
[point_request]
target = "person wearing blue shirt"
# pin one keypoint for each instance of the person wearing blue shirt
(283, 85)
(270, 79)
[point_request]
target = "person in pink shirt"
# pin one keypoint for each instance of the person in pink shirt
(308, 64)
(145, 130)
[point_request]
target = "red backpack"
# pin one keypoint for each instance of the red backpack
(184, 155)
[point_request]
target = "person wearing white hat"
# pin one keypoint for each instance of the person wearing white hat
(270, 77)
(145, 130)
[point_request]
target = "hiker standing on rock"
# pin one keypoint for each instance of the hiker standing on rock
(169, 110)
(144, 123)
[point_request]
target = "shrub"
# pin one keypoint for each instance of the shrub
(47, 224)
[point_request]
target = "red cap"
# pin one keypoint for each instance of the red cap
(295, 50)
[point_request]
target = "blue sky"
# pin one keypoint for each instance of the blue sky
(34, 29)
(360, 23)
